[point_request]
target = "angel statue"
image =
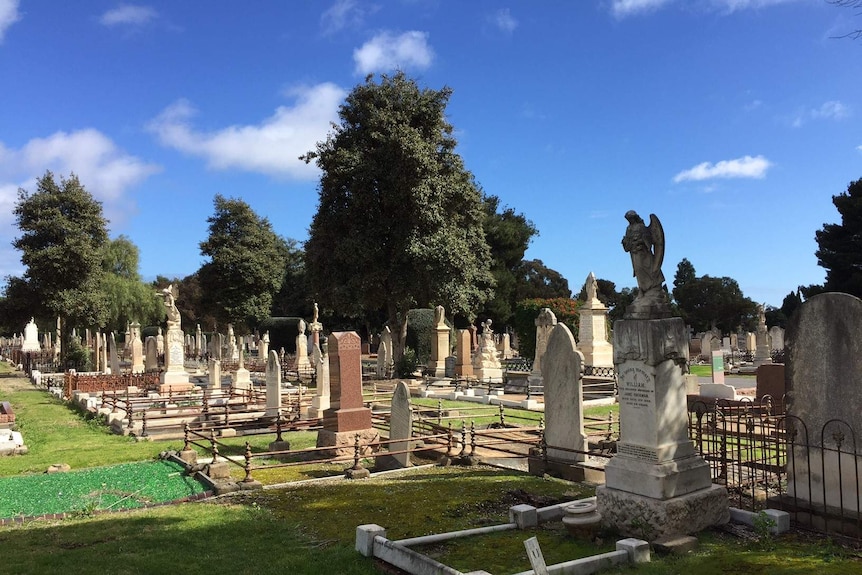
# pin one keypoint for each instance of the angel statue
(645, 245)
(171, 294)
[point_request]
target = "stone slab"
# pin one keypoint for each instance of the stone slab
(675, 544)
(649, 518)
(341, 444)
(659, 481)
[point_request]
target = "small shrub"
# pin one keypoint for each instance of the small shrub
(407, 364)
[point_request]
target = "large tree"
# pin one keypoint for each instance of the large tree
(399, 219)
(246, 266)
(508, 234)
(707, 301)
(840, 245)
(63, 235)
(128, 297)
(536, 280)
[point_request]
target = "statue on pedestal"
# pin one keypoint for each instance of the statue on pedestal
(645, 245)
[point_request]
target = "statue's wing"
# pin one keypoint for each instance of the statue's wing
(657, 233)
(175, 289)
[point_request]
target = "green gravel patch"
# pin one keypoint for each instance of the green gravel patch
(126, 486)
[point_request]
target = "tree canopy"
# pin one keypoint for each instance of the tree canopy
(840, 245)
(399, 218)
(508, 235)
(63, 235)
(246, 267)
(128, 298)
(707, 301)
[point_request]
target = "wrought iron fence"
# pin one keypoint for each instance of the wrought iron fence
(769, 460)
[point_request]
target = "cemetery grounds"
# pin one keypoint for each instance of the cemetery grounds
(309, 527)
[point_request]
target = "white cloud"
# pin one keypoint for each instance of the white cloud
(106, 171)
(8, 15)
(271, 147)
(504, 20)
(128, 14)
(745, 167)
(734, 5)
(831, 110)
(623, 8)
(387, 51)
(345, 14)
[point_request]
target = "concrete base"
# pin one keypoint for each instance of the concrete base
(360, 473)
(658, 480)
(648, 518)
(175, 381)
(341, 443)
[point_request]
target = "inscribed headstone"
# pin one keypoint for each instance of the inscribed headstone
(562, 370)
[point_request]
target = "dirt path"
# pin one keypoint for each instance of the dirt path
(15, 381)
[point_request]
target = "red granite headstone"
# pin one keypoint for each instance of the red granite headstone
(770, 381)
(346, 411)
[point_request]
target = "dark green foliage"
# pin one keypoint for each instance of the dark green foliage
(623, 299)
(420, 330)
(77, 356)
(128, 297)
(566, 310)
(17, 306)
(399, 219)
(246, 266)
(293, 298)
(63, 235)
(704, 302)
(282, 332)
(508, 235)
(536, 280)
(840, 245)
(407, 363)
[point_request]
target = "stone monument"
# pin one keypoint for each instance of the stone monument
(273, 384)
(486, 365)
(592, 330)
(263, 346)
(385, 363)
(174, 378)
(761, 338)
(656, 485)
(241, 378)
(320, 401)
(347, 416)
(31, 337)
(302, 363)
(439, 343)
(463, 354)
(562, 376)
(400, 430)
(823, 363)
(137, 348)
(545, 323)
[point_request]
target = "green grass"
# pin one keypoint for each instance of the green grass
(116, 487)
(310, 529)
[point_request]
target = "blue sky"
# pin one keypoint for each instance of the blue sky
(735, 121)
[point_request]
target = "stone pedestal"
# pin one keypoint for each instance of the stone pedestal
(463, 353)
(592, 329)
(662, 485)
(174, 378)
(439, 345)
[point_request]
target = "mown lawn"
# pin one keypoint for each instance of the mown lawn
(309, 528)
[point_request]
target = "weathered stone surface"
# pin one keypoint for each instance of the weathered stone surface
(346, 414)
(823, 362)
(648, 518)
(400, 429)
(273, 384)
(562, 371)
(545, 323)
(771, 382)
